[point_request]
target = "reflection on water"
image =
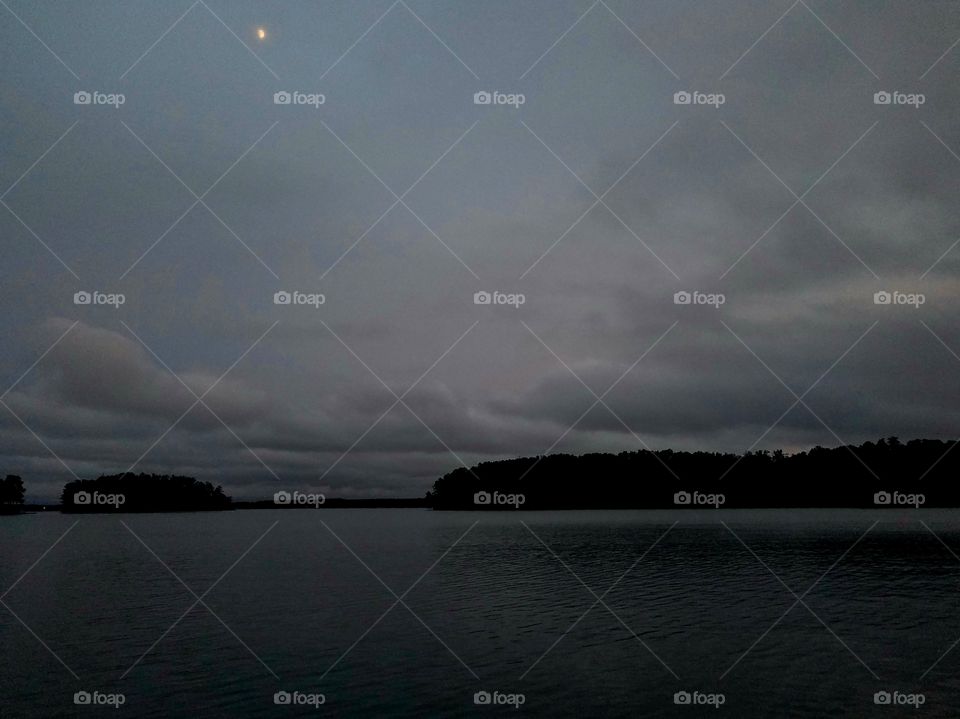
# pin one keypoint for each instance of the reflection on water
(798, 613)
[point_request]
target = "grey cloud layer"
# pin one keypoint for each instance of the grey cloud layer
(497, 202)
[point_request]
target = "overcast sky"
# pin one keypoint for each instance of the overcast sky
(398, 198)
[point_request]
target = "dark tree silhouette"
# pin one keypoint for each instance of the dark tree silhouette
(11, 494)
(142, 493)
(846, 476)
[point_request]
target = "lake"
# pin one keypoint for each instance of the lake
(404, 613)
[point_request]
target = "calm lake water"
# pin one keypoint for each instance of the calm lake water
(502, 611)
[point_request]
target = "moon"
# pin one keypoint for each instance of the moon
(261, 33)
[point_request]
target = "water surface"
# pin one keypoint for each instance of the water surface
(488, 604)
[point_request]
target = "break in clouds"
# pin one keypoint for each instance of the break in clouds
(384, 207)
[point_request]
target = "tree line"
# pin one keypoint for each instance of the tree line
(921, 472)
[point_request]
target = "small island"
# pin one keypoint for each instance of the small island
(142, 493)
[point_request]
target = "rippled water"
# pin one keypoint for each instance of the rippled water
(706, 609)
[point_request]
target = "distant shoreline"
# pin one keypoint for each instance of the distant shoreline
(885, 474)
(334, 503)
(409, 503)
